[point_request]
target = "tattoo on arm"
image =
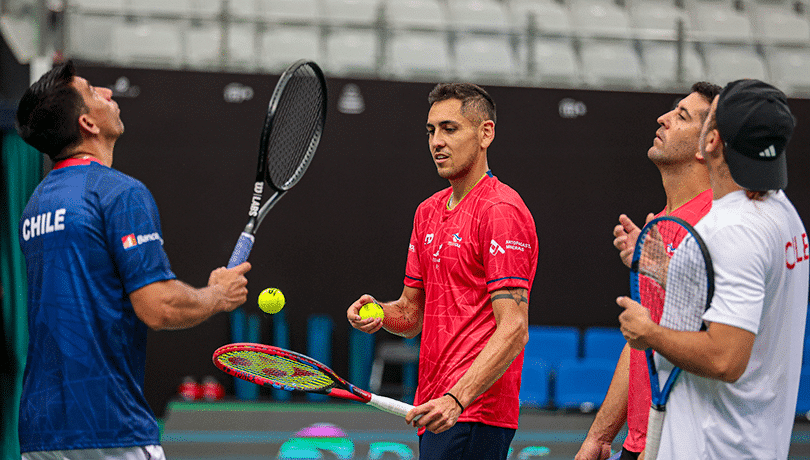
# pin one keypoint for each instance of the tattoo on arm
(518, 295)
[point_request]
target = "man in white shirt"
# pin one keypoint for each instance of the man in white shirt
(737, 396)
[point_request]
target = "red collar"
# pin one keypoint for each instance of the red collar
(76, 162)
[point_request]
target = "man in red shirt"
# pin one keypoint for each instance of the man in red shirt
(686, 183)
(471, 263)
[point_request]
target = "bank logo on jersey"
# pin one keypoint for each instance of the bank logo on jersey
(456, 238)
(129, 241)
(429, 238)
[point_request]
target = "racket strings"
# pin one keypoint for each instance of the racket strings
(279, 370)
(677, 277)
(296, 128)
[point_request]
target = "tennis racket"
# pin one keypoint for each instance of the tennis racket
(685, 278)
(292, 130)
(287, 370)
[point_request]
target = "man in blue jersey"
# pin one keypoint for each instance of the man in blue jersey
(98, 277)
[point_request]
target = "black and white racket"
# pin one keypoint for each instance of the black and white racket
(684, 277)
(292, 130)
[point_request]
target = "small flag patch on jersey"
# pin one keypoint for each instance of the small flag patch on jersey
(129, 241)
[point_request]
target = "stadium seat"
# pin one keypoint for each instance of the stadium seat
(203, 46)
(479, 16)
(90, 37)
(550, 17)
(554, 63)
(207, 9)
(243, 9)
(720, 22)
(729, 63)
(486, 58)
(242, 46)
(582, 384)
(611, 64)
(361, 357)
(99, 6)
(351, 52)
(658, 17)
(319, 344)
(535, 390)
(603, 343)
(159, 7)
(806, 353)
(790, 70)
(424, 14)
(777, 25)
(803, 402)
(283, 45)
(404, 353)
(660, 60)
(360, 12)
(148, 44)
(419, 56)
(285, 11)
(603, 19)
(552, 344)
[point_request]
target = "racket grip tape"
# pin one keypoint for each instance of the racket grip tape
(392, 406)
(654, 427)
(242, 249)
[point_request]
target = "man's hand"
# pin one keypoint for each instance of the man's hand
(636, 322)
(626, 234)
(437, 415)
(593, 449)
(368, 325)
(232, 284)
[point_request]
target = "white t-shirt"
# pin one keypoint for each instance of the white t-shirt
(760, 254)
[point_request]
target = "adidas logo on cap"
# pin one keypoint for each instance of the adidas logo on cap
(770, 152)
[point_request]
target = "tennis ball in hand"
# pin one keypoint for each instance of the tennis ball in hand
(371, 310)
(271, 300)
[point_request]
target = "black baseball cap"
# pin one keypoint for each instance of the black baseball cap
(756, 124)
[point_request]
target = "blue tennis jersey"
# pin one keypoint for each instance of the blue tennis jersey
(90, 235)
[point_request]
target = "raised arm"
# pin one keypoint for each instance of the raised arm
(173, 304)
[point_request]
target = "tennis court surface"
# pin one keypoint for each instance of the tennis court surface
(271, 430)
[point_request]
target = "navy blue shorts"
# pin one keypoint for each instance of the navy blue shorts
(467, 441)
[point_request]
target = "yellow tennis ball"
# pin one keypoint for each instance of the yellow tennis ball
(371, 310)
(271, 300)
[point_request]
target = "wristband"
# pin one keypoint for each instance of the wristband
(456, 400)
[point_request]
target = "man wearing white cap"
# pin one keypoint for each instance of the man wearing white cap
(737, 398)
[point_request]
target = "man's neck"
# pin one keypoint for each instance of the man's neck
(462, 186)
(87, 150)
(683, 185)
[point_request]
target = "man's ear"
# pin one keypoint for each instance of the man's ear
(711, 143)
(487, 133)
(88, 124)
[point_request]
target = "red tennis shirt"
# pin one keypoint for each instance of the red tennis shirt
(458, 257)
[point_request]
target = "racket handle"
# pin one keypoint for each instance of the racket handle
(654, 427)
(392, 406)
(242, 249)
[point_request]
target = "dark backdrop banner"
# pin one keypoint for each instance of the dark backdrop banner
(577, 157)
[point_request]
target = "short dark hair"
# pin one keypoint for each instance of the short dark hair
(709, 91)
(48, 113)
(471, 96)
